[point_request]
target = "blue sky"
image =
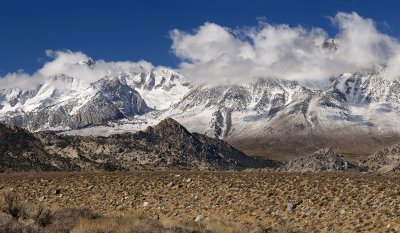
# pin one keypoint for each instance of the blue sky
(132, 30)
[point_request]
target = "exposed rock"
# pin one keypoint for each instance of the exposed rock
(323, 160)
(385, 160)
(276, 213)
(20, 150)
(120, 207)
(167, 144)
(290, 207)
(330, 45)
(199, 218)
(57, 191)
(180, 146)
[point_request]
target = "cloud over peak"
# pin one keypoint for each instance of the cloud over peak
(71, 64)
(216, 54)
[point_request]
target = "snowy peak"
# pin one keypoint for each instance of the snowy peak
(126, 99)
(160, 87)
(156, 79)
(89, 62)
(64, 102)
(260, 96)
(368, 86)
(231, 110)
(56, 89)
(330, 45)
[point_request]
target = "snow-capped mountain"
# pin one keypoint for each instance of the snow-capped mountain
(64, 102)
(160, 87)
(239, 110)
(362, 103)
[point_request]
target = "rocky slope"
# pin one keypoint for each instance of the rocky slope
(173, 140)
(20, 150)
(166, 145)
(324, 160)
(385, 160)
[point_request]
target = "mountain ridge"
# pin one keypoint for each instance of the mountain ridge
(365, 103)
(166, 145)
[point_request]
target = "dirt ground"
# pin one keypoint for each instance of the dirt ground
(328, 202)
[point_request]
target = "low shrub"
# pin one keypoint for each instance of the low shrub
(21, 217)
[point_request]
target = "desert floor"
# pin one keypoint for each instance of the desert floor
(328, 202)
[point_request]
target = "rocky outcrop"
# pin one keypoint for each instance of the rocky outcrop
(166, 145)
(324, 160)
(22, 151)
(385, 160)
(196, 150)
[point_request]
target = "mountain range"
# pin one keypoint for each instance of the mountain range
(356, 113)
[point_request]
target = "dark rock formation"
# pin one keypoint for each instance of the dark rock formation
(166, 145)
(324, 160)
(385, 160)
(22, 151)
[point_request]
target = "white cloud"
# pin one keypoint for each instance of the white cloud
(211, 41)
(215, 54)
(68, 63)
(218, 55)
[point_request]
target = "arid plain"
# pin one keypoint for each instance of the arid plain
(257, 200)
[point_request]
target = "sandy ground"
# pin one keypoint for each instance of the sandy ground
(332, 202)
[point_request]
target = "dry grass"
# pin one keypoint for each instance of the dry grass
(144, 225)
(17, 216)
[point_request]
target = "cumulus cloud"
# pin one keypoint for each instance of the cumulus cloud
(70, 63)
(216, 54)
